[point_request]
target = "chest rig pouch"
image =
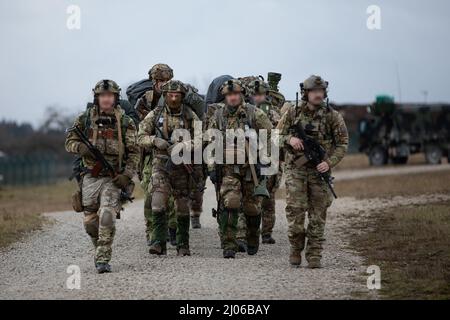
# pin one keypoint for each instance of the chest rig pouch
(242, 119)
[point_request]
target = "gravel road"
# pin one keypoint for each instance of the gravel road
(36, 268)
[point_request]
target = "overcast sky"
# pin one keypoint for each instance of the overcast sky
(44, 63)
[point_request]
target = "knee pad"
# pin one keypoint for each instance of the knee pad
(232, 200)
(107, 218)
(251, 209)
(159, 201)
(91, 224)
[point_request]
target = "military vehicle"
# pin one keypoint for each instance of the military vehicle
(391, 133)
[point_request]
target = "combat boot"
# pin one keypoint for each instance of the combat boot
(267, 239)
(242, 246)
(103, 267)
(195, 223)
(229, 254)
(157, 249)
(173, 236)
(181, 252)
(252, 250)
(314, 263)
(295, 258)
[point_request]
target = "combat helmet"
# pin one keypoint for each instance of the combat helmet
(106, 86)
(161, 71)
(232, 85)
(312, 83)
(258, 87)
(174, 86)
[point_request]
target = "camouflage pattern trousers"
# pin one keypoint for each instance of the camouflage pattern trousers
(306, 192)
(101, 202)
(166, 182)
(236, 198)
(145, 185)
(267, 211)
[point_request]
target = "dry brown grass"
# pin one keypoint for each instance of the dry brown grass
(361, 161)
(399, 185)
(21, 207)
(411, 247)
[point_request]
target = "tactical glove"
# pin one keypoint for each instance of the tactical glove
(161, 144)
(121, 181)
(84, 151)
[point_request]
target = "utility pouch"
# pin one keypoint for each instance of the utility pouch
(77, 202)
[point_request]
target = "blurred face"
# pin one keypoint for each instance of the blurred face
(157, 84)
(259, 98)
(316, 96)
(233, 99)
(174, 99)
(106, 101)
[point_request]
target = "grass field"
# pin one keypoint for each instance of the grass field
(411, 245)
(400, 185)
(21, 207)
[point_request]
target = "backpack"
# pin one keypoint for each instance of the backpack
(213, 95)
(137, 90)
(193, 99)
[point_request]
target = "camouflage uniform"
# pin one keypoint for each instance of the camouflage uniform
(273, 182)
(305, 191)
(115, 136)
(148, 102)
(236, 189)
(168, 179)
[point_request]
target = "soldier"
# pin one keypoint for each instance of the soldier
(259, 95)
(114, 134)
(236, 185)
(305, 191)
(155, 133)
(159, 74)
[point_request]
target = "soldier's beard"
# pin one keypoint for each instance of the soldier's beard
(174, 106)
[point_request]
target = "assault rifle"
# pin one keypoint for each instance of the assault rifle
(187, 167)
(101, 163)
(313, 152)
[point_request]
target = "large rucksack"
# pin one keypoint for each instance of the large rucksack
(196, 101)
(137, 90)
(193, 99)
(213, 95)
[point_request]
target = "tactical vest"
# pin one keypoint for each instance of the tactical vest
(183, 120)
(222, 119)
(318, 126)
(114, 136)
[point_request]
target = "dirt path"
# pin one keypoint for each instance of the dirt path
(36, 268)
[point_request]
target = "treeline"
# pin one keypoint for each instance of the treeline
(48, 139)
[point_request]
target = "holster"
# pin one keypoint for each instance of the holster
(77, 202)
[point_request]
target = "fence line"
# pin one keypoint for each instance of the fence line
(32, 169)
